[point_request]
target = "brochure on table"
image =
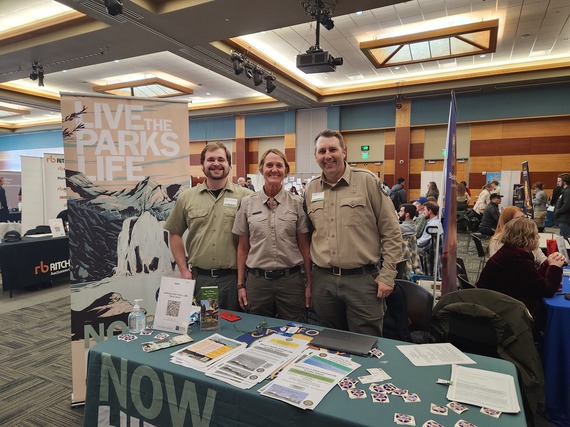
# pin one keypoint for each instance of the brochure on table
(483, 388)
(174, 304)
(307, 381)
(254, 364)
(203, 354)
(434, 354)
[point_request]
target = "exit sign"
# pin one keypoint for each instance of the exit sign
(364, 147)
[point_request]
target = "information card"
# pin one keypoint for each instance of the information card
(174, 305)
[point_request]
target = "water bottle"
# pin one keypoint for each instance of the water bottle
(137, 319)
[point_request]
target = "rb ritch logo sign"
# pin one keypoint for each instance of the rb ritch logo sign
(54, 268)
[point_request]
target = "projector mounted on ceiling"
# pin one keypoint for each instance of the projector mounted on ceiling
(316, 60)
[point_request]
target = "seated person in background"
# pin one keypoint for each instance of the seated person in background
(407, 214)
(466, 188)
(421, 218)
(512, 269)
(490, 216)
(424, 242)
(507, 214)
(432, 191)
(462, 197)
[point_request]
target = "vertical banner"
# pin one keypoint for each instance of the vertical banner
(32, 193)
(55, 193)
(518, 196)
(125, 161)
(449, 259)
(528, 209)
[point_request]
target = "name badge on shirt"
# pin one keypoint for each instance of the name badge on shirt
(231, 202)
(316, 197)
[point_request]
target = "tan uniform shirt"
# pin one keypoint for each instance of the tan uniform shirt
(354, 223)
(210, 243)
(272, 232)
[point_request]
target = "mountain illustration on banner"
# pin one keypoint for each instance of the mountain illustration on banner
(105, 310)
(114, 233)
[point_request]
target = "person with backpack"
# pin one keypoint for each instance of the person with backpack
(398, 194)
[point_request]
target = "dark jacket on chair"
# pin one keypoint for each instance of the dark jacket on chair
(512, 271)
(513, 327)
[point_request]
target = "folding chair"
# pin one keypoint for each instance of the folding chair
(419, 302)
(463, 282)
(480, 252)
(461, 267)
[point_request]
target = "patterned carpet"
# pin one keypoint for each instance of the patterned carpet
(35, 356)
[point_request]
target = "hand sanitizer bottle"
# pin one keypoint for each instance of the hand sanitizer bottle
(137, 318)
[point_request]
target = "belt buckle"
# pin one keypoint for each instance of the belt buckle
(337, 271)
(265, 275)
(213, 272)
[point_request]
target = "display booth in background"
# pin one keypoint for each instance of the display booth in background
(43, 189)
(12, 184)
(126, 161)
(32, 192)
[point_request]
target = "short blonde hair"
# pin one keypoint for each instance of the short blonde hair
(277, 152)
(520, 232)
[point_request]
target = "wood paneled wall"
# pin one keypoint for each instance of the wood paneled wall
(544, 143)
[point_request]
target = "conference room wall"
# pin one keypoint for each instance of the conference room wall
(34, 144)
(543, 142)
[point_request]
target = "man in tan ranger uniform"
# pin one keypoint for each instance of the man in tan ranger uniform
(354, 226)
(208, 211)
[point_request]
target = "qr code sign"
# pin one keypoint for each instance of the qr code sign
(172, 308)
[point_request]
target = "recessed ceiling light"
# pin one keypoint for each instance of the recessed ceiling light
(116, 61)
(208, 93)
(358, 12)
(65, 71)
(396, 68)
(482, 56)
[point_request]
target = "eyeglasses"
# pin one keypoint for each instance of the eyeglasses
(259, 328)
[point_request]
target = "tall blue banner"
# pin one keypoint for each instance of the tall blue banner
(449, 257)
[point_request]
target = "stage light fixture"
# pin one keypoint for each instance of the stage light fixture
(248, 70)
(237, 61)
(114, 7)
(269, 84)
(257, 76)
(37, 73)
(326, 22)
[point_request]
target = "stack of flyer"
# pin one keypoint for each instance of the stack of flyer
(260, 360)
(205, 353)
(307, 381)
(304, 376)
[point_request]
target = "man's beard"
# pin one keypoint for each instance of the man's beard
(213, 177)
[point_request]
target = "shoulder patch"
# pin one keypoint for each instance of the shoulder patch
(382, 188)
